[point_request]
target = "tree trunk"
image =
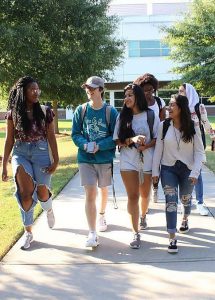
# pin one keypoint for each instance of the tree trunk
(56, 116)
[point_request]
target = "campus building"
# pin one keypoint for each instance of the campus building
(140, 27)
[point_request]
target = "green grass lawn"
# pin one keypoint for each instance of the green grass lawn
(212, 121)
(10, 222)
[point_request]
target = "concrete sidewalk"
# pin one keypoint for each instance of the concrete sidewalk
(58, 266)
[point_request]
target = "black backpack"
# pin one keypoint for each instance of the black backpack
(150, 121)
(200, 124)
(166, 124)
(158, 100)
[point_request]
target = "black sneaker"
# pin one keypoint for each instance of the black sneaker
(184, 227)
(172, 246)
(135, 244)
(143, 223)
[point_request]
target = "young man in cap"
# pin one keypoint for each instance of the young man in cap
(92, 133)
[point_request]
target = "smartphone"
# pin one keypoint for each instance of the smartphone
(190, 179)
(44, 170)
(90, 147)
(155, 185)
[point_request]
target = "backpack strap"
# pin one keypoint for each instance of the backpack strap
(83, 112)
(108, 113)
(43, 109)
(49, 148)
(166, 124)
(213, 146)
(196, 107)
(158, 100)
(150, 121)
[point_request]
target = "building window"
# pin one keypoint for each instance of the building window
(118, 100)
(147, 48)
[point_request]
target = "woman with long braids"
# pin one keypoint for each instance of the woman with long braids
(132, 134)
(30, 128)
(179, 152)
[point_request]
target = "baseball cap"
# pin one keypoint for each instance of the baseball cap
(94, 82)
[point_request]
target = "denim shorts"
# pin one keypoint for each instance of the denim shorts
(34, 157)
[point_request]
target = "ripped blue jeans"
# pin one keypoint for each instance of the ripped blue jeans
(174, 179)
(34, 157)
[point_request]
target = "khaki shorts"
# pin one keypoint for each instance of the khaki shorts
(95, 174)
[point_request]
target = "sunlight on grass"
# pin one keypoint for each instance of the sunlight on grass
(65, 125)
(212, 121)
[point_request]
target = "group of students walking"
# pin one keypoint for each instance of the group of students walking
(151, 148)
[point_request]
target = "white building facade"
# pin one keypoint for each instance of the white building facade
(140, 28)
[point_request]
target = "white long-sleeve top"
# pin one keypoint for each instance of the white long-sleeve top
(173, 148)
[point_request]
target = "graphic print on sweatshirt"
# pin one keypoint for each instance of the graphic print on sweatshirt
(96, 129)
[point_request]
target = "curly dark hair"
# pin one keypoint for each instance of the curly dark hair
(17, 104)
(147, 78)
(126, 114)
(187, 125)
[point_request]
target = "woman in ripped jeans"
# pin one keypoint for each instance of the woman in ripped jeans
(178, 158)
(30, 128)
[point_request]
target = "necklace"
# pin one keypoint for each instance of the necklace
(178, 141)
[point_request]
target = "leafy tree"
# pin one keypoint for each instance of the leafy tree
(59, 42)
(3, 97)
(192, 43)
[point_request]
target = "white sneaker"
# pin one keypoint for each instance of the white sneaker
(50, 218)
(102, 223)
(26, 241)
(202, 210)
(92, 240)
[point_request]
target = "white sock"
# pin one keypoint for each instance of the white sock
(92, 233)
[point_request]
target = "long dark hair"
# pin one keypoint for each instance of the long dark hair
(126, 114)
(17, 104)
(187, 125)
